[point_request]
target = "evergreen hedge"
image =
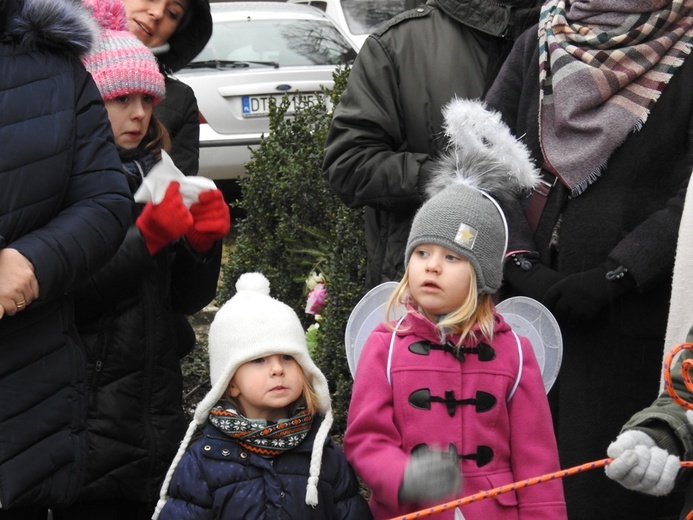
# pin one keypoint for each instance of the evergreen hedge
(295, 225)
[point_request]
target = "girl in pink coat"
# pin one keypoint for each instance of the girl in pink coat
(449, 401)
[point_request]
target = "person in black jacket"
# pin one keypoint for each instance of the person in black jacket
(612, 133)
(64, 209)
(167, 265)
(388, 126)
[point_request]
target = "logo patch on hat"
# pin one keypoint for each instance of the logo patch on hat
(466, 236)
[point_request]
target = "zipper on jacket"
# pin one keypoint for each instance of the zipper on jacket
(95, 374)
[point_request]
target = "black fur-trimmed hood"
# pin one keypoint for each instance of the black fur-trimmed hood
(189, 41)
(61, 25)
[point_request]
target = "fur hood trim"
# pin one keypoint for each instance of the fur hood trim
(62, 25)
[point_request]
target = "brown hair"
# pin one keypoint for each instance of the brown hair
(157, 138)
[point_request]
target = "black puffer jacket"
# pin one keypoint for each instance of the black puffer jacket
(64, 204)
(389, 125)
(126, 319)
(178, 110)
(218, 479)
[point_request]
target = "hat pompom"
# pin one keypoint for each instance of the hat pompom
(109, 13)
(255, 282)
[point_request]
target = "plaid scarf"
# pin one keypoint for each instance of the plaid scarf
(267, 440)
(602, 66)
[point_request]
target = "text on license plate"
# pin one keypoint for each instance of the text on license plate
(258, 106)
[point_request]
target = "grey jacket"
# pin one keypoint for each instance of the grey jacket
(388, 124)
(666, 422)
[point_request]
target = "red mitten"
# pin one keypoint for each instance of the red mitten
(211, 221)
(161, 224)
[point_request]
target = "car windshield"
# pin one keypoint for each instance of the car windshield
(364, 16)
(285, 43)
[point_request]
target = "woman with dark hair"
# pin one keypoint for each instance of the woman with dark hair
(600, 91)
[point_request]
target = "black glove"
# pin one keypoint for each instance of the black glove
(528, 276)
(578, 298)
(430, 475)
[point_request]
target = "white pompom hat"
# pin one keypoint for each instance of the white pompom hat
(249, 326)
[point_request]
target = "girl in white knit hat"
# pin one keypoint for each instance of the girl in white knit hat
(266, 450)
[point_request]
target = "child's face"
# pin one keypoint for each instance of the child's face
(265, 387)
(129, 116)
(153, 22)
(438, 279)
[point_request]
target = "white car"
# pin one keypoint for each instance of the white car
(358, 18)
(258, 51)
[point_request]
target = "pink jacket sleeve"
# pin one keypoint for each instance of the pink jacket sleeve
(372, 441)
(533, 444)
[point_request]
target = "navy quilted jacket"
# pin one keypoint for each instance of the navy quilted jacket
(64, 204)
(217, 479)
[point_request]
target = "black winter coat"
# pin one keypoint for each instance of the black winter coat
(216, 479)
(126, 315)
(611, 367)
(388, 125)
(65, 205)
(178, 112)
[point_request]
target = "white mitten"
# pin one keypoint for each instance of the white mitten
(639, 464)
(430, 475)
(689, 416)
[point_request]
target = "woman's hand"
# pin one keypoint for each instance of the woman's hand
(18, 283)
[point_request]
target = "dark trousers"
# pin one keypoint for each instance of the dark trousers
(24, 513)
(106, 510)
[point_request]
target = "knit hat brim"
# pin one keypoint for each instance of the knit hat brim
(119, 63)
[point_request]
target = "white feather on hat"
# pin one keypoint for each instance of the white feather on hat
(482, 153)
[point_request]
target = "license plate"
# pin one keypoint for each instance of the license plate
(258, 106)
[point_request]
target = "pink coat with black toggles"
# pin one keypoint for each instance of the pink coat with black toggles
(503, 433)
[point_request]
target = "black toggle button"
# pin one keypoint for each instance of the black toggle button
(422, 399)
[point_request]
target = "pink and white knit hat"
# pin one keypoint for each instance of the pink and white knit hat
(119, 63)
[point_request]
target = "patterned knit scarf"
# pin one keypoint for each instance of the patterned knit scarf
(267, 440)
(603, 64)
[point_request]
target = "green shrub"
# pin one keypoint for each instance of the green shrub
(295, 225)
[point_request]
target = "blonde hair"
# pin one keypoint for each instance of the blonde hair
(477, 310)
(157, 138)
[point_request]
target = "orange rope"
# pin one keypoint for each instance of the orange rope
(686, 367)
(492, 493)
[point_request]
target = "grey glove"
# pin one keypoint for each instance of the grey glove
(640, 465)
(430, 475)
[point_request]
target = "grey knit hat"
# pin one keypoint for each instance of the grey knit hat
(468, 222)
(484, 163)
